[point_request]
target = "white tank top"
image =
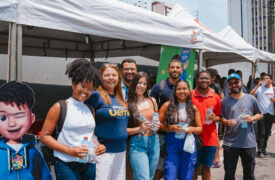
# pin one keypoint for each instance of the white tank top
(79, 123)
(182, 112)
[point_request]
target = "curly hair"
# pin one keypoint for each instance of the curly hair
(132, 98)
(118, 90)
(172, 112)
(18, 93)
(81, 70)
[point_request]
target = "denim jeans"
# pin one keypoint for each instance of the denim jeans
(231, 156)
(74, 170)
(179, 163)
(144, 156)
(264, 129)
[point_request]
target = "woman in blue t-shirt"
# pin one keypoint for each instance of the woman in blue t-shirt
(111, 116)
(144, 142)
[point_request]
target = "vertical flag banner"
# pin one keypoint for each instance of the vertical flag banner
(187, 59)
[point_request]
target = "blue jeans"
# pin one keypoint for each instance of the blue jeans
(74, 170)
(144, 156)
(178, 163)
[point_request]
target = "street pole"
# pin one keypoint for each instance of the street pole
(200, 60)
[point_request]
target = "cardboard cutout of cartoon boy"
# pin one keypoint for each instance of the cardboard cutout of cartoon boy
(19, 158)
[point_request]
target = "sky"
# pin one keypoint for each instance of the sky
(212, 13)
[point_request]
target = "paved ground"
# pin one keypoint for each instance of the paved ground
(264, 170)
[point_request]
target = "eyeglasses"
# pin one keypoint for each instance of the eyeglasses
(202, 78)
(109, 64)
(233, 83)
(128, 69)
(18, 115)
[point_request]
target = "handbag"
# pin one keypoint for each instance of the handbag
(198, 141)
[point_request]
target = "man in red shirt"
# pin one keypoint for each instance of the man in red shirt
(209, 106)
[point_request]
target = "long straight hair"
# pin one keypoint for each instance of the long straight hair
(118, 90)
(132, 98)
(172, 112)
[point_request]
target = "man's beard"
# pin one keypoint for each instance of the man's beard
(236, 91)
(128, 80)
(173, 77)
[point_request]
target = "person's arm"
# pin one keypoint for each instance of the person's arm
(174, 128)
(142, 128)
(145, 126)
(221, 95)
(254, 90)
(161, 117)
(272, 99)
(197, 129)
(46, 135)
(255, 118)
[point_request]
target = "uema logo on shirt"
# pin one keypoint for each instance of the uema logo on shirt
(118, 111)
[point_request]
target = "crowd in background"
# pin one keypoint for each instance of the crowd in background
(168, 130)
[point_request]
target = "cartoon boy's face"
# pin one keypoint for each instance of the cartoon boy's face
(15, 121)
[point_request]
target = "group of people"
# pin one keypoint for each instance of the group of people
(118, 106)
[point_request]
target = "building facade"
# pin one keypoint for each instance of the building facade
(254, 21)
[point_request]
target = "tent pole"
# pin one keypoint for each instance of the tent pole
(12, 53)
(200, 60)
(19, 53)
(268, 67)
(253, 72)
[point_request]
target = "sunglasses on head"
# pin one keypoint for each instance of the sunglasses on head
(109, 64)
(233, 83)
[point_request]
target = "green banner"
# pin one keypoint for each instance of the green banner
(187, 58)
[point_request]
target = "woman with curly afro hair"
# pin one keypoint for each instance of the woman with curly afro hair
(79, 122)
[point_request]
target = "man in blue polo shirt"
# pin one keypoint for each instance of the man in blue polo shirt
(162, 92)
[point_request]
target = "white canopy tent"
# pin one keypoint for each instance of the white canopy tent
(108, 18)
(53, 26)
(217, 48)
(65, 28)
(231, 35)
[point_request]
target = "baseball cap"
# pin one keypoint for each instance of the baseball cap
(234, 75)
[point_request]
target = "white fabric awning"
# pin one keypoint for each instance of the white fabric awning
(231, 35)
(217, 49)
(108, 18)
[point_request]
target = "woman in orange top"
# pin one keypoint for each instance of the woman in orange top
(144, 142)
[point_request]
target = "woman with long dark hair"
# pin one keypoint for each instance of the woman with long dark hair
(144, 142)
(179, 110)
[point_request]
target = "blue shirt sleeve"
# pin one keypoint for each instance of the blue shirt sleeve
(94, 100)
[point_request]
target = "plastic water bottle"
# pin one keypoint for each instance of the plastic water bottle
(243, 122)
(155, 120)
(92, 156)
(209, 111)
(180, 135)
(84, 144)
(263, 83)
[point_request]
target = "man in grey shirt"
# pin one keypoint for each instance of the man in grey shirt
(239, 111)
